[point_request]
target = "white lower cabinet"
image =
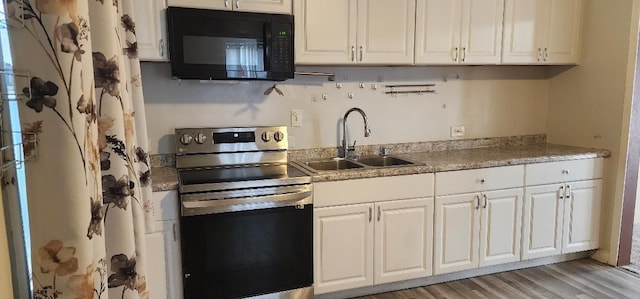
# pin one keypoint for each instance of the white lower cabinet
(366, 244)
(164, 263)
(477, 229)
(343, 250)
(561, 218)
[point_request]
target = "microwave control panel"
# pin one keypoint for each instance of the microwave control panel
(282, 47)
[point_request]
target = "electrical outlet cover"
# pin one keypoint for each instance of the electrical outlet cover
(457, 131)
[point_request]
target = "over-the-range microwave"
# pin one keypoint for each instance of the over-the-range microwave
(226, 45)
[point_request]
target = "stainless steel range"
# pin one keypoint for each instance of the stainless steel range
(247, 215)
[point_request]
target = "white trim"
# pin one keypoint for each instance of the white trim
(616, 217)
(455, 276)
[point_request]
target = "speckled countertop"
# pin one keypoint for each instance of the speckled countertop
(166, 178)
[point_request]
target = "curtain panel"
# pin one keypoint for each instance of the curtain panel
(88, 185)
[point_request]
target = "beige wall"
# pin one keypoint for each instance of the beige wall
(587, 103)
(489, 101)
(6, 290)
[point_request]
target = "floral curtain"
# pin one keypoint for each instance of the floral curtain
(88, 184)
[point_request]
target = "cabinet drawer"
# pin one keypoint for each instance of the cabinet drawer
(476, 180)
(563, 171)
(372, 190)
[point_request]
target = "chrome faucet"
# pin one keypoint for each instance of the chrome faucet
(346, 149)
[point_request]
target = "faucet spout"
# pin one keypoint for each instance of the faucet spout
(367, 131)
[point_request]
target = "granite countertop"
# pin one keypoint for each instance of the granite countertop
(166, 178)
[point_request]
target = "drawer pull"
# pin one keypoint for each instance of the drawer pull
(486, 201)
(565, 172)
(567, 195)
(477, 202)
(481, 181)
(561, 192)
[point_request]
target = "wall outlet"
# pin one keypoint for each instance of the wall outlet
(457, 131)
(296, 118)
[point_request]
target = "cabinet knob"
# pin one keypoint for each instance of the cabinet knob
(564, 171)
(481, 181)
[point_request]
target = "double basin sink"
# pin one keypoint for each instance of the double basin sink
(335, 164)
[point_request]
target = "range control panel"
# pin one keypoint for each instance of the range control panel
(230, 140)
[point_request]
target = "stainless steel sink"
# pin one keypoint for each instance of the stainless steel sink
(336, 164)
(333, 164)
(383, 161)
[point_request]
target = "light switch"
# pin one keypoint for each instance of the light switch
(296, 118)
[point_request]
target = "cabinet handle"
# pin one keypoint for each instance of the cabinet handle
(379, 213)
(486, 201)
(226, 3)
(353, 53)
(464, 54)
(456, 53)
(175, 233)
(477, 198)
(361, 53)
(237, 3)
(370, 214)
(564, 171)
(539, 54)
(546, 54)
(161, 43)
(561, 192)
(567, 194)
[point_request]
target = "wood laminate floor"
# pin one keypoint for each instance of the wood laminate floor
(581, 279)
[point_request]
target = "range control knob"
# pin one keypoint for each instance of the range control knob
(201, 138)
(186, 139)
(278, 136)
(266, 136)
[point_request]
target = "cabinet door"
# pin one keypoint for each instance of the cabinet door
(151, 30)
(156, 265)
(343, 251)
(563, 33)
(268, 6)
(500, 228)
(481, 36)
(386, 31)
(523, 31)
(582, 205)
(164, 277)
(542, 220)
(403, 240)
(208, 4)
(325, 31)
(456, 230)
(438, 31)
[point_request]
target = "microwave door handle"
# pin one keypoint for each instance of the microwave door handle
(268, 51)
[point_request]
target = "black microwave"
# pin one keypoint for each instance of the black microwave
(226, 45)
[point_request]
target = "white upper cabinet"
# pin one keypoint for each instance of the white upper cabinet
(266, 6)
(386, 31)
(354, 31)
(459, 31)
(319, 41)
(542, 31)
(151, 30)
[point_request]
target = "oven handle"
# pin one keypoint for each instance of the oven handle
(197, 204)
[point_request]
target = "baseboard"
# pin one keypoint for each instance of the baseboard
(414, 283)
(602, 256)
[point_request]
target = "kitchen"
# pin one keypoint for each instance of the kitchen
(581, 106)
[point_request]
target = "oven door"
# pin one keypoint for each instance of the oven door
(220, 45)
(248, 253)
